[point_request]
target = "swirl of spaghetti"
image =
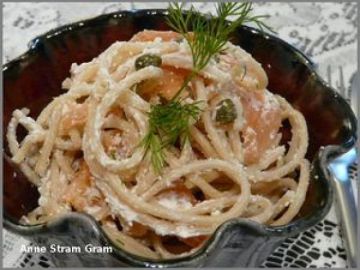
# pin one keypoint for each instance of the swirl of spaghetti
(84, 150)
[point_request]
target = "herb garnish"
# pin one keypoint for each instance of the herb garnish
(168, 123)
(206, 37)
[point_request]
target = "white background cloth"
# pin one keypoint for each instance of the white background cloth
(326, 32)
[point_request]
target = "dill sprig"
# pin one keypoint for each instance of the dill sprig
(172, 119)
(242, 11)
(167, 124)
(152, 143)
(206, 37)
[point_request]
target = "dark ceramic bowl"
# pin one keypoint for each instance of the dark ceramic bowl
(34, 78)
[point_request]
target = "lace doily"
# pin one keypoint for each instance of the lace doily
(326, 32)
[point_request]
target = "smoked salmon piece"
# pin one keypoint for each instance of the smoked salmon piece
(150, 35)
(166, 85)
(195, 241)
(74, 117)
(262, 123)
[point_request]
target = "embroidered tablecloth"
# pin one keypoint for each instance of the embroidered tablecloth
(326, 32)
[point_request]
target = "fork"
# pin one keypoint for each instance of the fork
(346, 205)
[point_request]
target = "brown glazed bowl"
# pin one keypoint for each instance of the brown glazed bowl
(34, 78)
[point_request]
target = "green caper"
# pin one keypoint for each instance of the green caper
(226, 112)
(147, 60)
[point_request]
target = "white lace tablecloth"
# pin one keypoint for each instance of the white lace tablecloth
(326, 32)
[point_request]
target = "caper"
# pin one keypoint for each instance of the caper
(226, 112)
(147, 60)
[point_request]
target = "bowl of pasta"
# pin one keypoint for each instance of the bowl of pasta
(167, 145)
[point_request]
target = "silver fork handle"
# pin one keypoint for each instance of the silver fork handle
(345, 204)
(346, 208)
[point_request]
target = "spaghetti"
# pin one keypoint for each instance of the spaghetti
(84, 151)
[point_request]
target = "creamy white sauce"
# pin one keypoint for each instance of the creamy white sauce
(174, 202)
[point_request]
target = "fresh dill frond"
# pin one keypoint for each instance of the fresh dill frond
(172, 120)
(242, 13)
(200, 33)
(168, 123)
(152, 143)
(206, 36)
